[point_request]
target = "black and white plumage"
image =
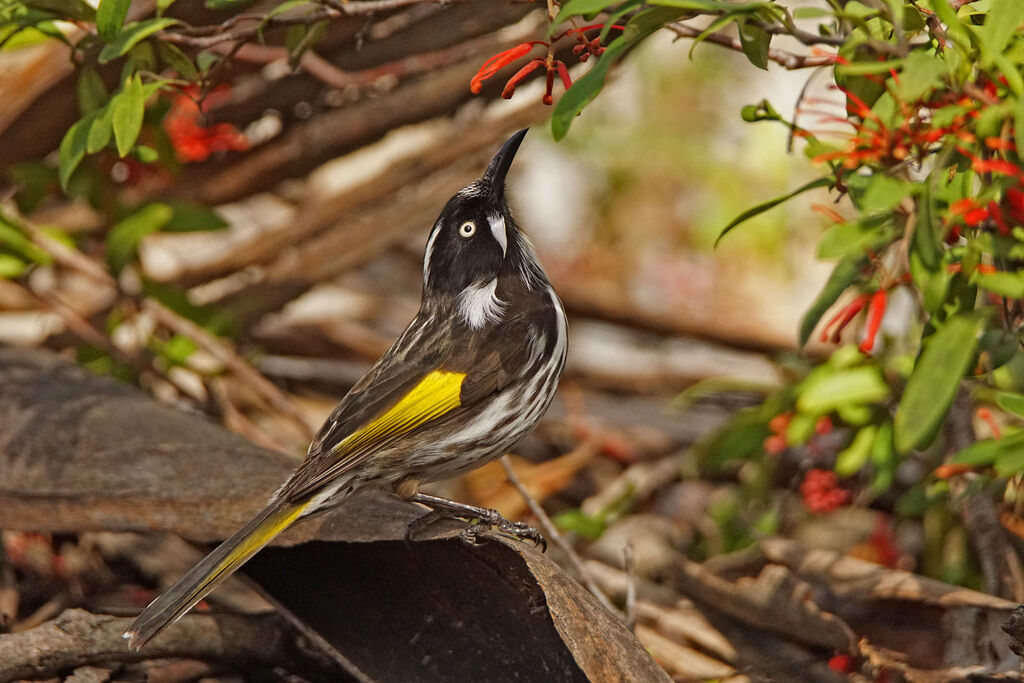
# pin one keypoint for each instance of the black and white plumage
(471, 374)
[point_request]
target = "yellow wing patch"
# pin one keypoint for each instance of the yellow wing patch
(435, 395)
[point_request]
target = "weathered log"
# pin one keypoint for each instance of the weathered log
(80, 453)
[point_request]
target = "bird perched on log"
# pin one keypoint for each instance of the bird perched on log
(471, 374)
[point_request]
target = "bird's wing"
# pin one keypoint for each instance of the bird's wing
(401, 395)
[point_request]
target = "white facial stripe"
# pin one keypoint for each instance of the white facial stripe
(429, 252)
(479, 304)
(497, 223)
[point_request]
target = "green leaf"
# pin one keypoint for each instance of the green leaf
(771, 204)
(1004, 284)
(854, 239)
(101, 128)
(1018, 125)
(72, 148)
(12, 237)
(867, 68)
(884, 192)
(301, 38)
(1010, 402)
(587, 87)
(575, 8)
(129, 110)
(130, 36)
(712, 5)
(822, 393)
(580, 523)
(845, 274)
(755, 42)
(123, 239)
(177, 60)
(75, 9)
(926, 238)
(943, 363)
(11, 266)
(91, 92)
(191, 217)
(1002, 21)
(932, 284)
(110, 16)
(851, 459)
(922, 73)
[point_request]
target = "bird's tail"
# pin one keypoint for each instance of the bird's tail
(212, 570)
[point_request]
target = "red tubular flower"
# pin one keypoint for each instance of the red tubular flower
(975, 216)
(843, 318)
(995, 166)
(496, 62)
(876, 310)
(563, 73)
(985, 415)
(547, 99)
(516, 79)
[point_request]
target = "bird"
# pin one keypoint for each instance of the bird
(472, 373)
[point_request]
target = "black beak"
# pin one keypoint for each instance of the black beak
(494, 176)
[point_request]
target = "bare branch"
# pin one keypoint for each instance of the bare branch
(551, 531)
(786, 59)
(77, 638)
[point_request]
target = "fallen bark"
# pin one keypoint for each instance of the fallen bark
(81, 452)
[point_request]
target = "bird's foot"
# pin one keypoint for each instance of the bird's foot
(485, 519)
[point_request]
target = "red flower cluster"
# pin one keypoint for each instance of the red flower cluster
(821, 492)
(777, 443)
(583, 49)
(194, 141)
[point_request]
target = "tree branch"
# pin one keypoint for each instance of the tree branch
(78, 638)
(786, 59)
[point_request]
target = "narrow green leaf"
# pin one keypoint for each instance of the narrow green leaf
(72, 148)
(584, 90)
(884, 193)
(942, 365)
(192, 217)
(110, 16)
(173, 57)
(129, 109)
(712, 5)
(11, 266)
(1001, 22)
(984, 453)
(857, 237)
(926, 238)
(922, 73)
(852, 458)
(101, 128)
(826, 392)
(91, 92)
(845, 274)
(1018, 125)
(130, 36)
(123, 239)
(14, 238)
(755, 42)
(575, 8)
(866, 68)
(1010, 402)
(771, 204)
(74, 9)
(1004, 284)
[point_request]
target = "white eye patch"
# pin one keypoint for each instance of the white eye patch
(497, 223)
(467, 229)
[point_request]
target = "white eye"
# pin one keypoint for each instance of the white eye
(467, 229)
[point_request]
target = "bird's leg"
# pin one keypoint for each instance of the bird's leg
(486, 519)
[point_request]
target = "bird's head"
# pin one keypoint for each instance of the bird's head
(475, 239)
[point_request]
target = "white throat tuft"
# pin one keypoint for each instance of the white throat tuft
(479, 304)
